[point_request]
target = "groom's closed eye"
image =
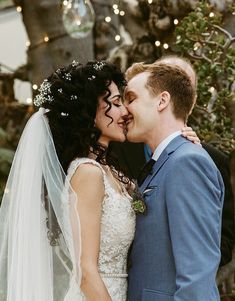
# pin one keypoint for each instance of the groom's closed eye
(129, 98)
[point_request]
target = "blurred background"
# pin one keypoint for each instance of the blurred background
(38, 36)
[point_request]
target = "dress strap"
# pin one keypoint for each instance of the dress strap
(77, 162)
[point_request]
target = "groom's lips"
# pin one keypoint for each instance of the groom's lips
(129, 121)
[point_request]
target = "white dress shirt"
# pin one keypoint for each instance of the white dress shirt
(160, 148)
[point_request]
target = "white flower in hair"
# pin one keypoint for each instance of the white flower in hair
(64, 114)
(75, 63)
(92, 77)
(44, 94)
(73, 97)
(67, 76)
(99, 65)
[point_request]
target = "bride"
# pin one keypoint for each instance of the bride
(67, 218)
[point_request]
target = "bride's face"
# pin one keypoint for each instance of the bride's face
(111, 129)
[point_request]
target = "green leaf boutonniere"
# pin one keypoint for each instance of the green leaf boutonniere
(138, 203)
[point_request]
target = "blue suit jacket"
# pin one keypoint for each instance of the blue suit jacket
(176, 250)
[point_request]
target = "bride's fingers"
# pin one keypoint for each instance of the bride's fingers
(189, 133)
(194, 139)
(187, 129)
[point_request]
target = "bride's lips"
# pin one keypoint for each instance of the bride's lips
(122, 124)
(126, 123)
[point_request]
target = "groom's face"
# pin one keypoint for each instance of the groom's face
(141, 105)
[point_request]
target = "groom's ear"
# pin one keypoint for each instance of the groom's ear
(163, 100)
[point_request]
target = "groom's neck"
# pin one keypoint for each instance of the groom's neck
(162, 131)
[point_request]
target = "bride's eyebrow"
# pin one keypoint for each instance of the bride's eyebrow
(116, 96)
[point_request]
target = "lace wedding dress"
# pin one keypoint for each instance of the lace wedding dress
(117, 233)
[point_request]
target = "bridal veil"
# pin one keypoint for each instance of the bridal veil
(37, 262)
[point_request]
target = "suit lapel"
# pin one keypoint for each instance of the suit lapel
(171, 147)
(157, 165)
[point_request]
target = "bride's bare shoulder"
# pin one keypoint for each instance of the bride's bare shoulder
(88, 178)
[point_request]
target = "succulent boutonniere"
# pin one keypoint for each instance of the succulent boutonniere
(138, 203)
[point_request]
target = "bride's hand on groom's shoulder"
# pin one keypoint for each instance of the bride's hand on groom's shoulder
(190, 134)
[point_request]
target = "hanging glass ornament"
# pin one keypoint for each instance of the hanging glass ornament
(78, 17)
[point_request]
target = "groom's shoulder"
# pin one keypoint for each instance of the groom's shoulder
(192, 152)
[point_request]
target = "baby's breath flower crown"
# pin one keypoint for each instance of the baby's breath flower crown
(45, 88)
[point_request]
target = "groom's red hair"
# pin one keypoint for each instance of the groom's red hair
(166, 77)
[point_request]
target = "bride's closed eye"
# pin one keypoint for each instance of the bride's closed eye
(117, 102)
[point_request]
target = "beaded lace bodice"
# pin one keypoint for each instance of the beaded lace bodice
(117, 233)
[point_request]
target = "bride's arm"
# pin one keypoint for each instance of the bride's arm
(87, 182)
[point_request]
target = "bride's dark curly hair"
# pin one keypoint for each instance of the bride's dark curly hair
(72, 103)
(71, 96)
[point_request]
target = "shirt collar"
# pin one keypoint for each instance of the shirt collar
(160, 148)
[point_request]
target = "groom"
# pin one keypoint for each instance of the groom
(176, 250)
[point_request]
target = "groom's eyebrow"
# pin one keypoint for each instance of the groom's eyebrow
(128, 93)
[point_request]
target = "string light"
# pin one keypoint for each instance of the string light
(122, 13)
(117, 38)
(150, 1)
(65, 2)
(29, 100)
(19, 9)
(165, 46)
(115, 6)
(116, 11)
(157, 43)
(46, 39)
(35, 87)
(78, 18)
(176, 21)
(27, 44)
(212, 89)
(108, 19)
(211, 15)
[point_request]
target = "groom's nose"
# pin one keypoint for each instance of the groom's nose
(124, 111)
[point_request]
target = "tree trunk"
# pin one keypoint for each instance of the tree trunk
(44, 19)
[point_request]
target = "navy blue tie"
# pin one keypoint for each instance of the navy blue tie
(145, 171)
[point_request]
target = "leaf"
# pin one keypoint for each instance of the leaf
(3, 135)
(6, 158)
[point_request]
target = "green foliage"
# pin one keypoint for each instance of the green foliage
(6, 158)
(200, 37)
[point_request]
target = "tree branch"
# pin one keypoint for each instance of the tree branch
(197, 57)
(224, 31)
